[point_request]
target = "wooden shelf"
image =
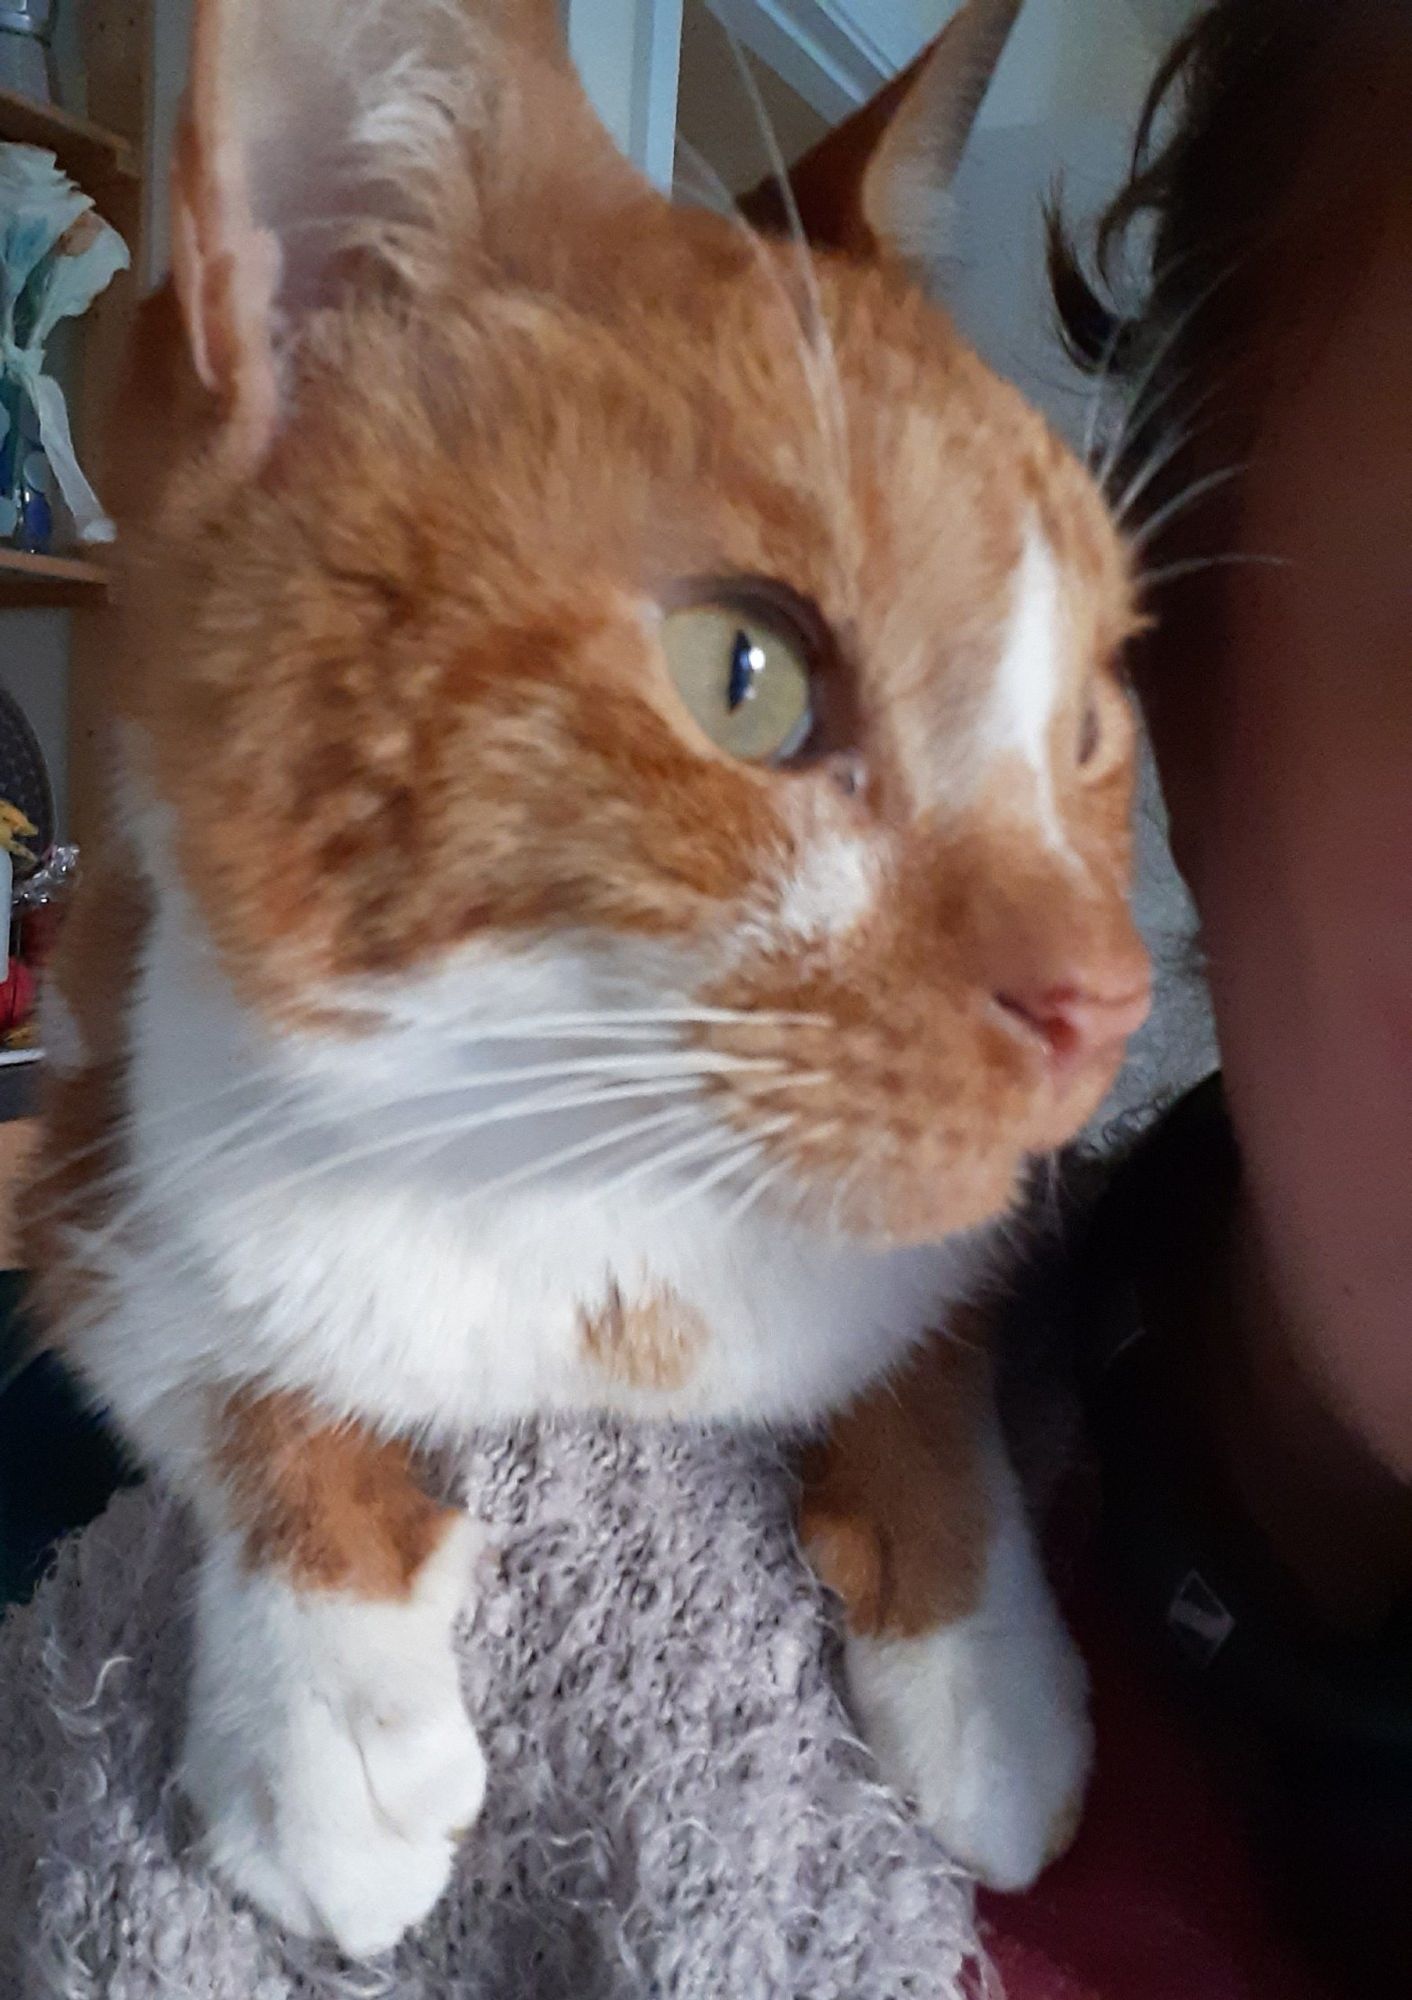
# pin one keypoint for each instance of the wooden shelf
(29, 580)
(88, 153)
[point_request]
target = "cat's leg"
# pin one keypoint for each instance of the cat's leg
(327, 1748)
(966, 1683)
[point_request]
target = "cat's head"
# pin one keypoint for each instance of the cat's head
(569, 614)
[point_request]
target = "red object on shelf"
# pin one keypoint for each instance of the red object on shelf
(17, 997)
(39, 932)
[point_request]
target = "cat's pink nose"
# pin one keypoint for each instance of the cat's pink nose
(1076, 1021)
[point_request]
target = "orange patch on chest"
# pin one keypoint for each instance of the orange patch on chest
(648, 1343)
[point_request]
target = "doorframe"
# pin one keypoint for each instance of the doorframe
(628, 53)
(816, 46)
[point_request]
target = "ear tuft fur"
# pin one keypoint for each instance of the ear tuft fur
(906, 188)
(880, 184)
(331, 141)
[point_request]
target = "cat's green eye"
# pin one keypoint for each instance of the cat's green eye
(743, 674)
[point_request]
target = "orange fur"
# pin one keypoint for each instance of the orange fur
(78, 1176)
(329, 1506)
(650, 1344)
(894, 1512)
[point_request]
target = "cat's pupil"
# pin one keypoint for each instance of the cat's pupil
(747, 659)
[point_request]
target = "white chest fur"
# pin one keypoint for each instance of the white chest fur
(360, 1220)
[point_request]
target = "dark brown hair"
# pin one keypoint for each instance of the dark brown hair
(1290, 127)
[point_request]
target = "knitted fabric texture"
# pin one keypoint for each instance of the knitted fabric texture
(677, 1804)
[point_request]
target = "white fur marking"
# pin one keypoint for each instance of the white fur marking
(1026, 691)
(327, 1748)
(984, 1722)
(832, 889)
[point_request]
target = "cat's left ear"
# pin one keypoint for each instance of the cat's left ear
(326, 144)
(878, 186)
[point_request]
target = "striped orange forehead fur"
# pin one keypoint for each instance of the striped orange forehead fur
(399, 684)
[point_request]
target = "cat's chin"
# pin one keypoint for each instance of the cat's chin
(907, 1212)
(1078, 1098)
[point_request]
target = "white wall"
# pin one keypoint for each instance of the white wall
(627, 54)
(1063, 105)
(717, 119)
(171, 43)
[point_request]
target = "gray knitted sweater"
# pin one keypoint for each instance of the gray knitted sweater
(677, 1805)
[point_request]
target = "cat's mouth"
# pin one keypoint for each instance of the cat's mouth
(910, 1126)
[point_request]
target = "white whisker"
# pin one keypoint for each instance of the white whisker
(545, 1104)
(1102, 383)
(585, 1148)
(1193, 565)
(820, 334)
(531, 1025)
(174, 1172)
(672, 1062)
(588, 1027)
(690, 1150)
(720, 1170)
(442, 1130)
(219, 1145)
(779, 172)
(1138, 415)
(1160, 459)
(89, 1247)
(787, 1079)
(708, 1141)
(758, 1187)
(1183, 502)
(1152, 400)
(185, 1108)
(827, 410)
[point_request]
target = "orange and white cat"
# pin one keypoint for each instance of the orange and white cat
(623, 809)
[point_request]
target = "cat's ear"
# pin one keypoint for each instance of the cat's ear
(907, 181)
(327, 138)
(295, 115)
(879, 184)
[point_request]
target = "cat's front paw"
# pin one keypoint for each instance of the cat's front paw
(328, 1751)
(985, 1725)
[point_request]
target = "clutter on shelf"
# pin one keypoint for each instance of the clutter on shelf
(26, 57)
(56, 255)
(37, 876)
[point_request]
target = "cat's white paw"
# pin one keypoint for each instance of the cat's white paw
(328, 1751)
(984, 1724)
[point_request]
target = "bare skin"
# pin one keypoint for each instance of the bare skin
(1281, 702)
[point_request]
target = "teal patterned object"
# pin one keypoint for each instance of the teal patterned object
(26, 516)
(56, 255)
